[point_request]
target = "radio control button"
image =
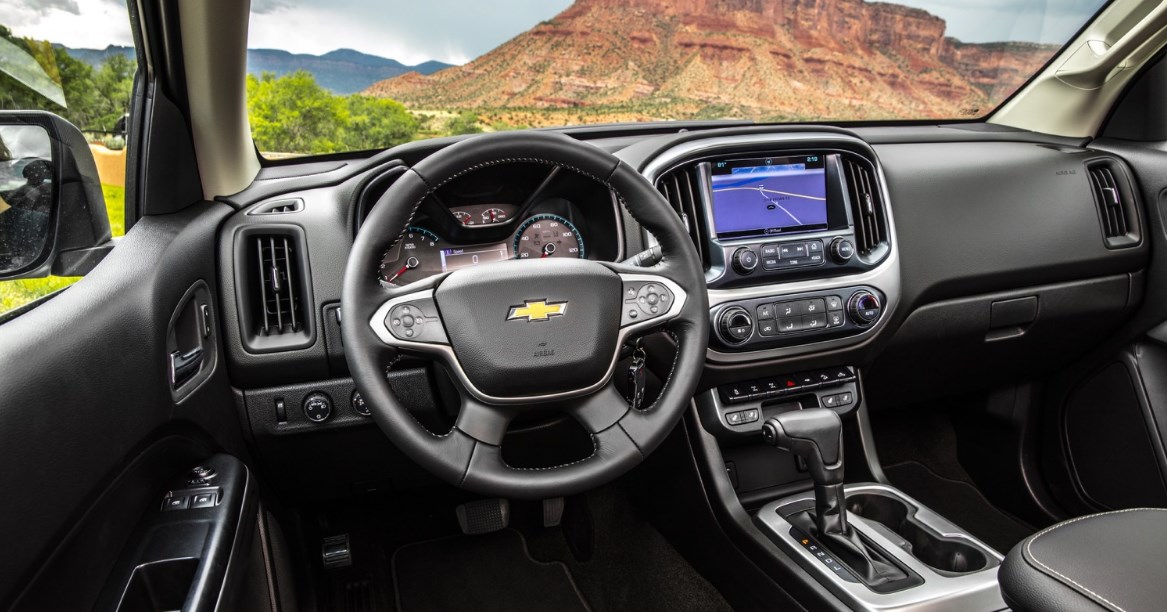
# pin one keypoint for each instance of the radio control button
(814, 260)
(842, 250)
(745, 260)
(770, 250)
(771, 263)
(814, 246)
(792, 250)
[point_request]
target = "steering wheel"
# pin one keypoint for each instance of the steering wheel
(525, 335)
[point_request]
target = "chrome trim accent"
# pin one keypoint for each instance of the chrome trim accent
(974, 592)
(885, 276)
(447, 355)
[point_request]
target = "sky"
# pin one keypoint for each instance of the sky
(456, 31)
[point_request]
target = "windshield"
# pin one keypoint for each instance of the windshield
(328, 75)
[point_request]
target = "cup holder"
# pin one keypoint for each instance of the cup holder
(945, 555)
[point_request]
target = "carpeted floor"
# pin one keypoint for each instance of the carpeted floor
(487, 573)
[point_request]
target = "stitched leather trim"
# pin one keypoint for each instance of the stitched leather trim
(1066, 579)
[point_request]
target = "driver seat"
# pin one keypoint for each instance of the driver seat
(1111, 561)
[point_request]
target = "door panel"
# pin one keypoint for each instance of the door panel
(89, 426)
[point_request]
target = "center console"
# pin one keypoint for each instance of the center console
(797, 236)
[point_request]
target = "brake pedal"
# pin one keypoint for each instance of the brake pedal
(483, 516)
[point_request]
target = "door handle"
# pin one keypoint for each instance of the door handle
(185, 365)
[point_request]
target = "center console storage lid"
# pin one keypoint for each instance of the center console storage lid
(1109, 561)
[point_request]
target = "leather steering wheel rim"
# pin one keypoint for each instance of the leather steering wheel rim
(469, 455)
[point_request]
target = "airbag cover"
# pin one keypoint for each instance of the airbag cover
(527, 328)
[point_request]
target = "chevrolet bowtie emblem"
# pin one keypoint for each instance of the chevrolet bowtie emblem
(537, 311)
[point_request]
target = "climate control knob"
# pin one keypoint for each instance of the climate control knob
(735, 325)
(745, 260)
(864, 307)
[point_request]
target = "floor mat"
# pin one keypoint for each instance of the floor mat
(959, 502)
(481, 573)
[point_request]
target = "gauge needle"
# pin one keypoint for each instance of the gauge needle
(493, 216)
(410, 263)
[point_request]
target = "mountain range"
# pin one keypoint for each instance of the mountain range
(628, 60)
(343, 71)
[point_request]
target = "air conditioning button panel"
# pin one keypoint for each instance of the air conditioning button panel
(792, 320)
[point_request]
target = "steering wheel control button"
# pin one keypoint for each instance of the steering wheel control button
(645, 301)
(359, 405)
(745, 260)
(317, 407)
(416, 321)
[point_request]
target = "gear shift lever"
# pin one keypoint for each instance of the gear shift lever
(816, 435)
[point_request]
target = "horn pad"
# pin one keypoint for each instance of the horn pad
(525, 328)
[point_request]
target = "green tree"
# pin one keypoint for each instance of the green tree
(293, 114)
(465, 123)
(375, 123)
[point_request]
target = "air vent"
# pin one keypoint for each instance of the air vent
(866, 208)
(680, 188)
(278, 207)
(278, 276)
(1115, 201)
(273, 289)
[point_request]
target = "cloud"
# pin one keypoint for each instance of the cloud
(44, 6)
(1045, 21)
(88, 24)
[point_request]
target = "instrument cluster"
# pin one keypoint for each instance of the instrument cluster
(421, 252)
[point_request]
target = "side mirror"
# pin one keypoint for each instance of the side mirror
(52, 212)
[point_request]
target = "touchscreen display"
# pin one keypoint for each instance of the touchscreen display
(768, 196)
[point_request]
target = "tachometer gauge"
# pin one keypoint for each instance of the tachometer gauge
(548, 235)
(494, 215)
(414, 257)
(464, 217)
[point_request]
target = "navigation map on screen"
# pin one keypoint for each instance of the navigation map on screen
(761, 197)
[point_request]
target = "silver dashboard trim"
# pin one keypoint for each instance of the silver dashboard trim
(976, 591)
(885, 277)
(446, 352)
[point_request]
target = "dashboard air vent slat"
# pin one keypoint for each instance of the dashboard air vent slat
(278, 273)
(1114, 197)
(1109, 200)
(866, 207)
(680, 188)
(277, 207)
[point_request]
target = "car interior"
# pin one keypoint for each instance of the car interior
(336, 382)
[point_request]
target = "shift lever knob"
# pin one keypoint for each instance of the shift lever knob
(816, 435)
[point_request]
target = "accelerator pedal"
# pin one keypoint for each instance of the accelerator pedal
(483, 516)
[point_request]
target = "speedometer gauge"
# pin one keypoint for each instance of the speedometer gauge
(548, 235)
(414, 257)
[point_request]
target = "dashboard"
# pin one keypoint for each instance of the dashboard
(929, 258)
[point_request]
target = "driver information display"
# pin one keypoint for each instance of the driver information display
(452, 259)
(763, 197)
